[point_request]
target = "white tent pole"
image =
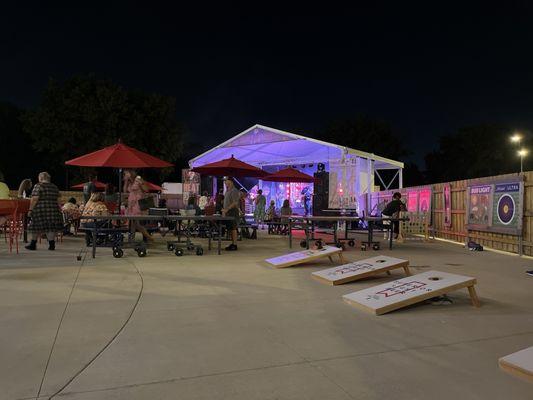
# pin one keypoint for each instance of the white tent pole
(368, 183)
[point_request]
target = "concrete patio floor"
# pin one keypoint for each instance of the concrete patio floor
(231, 327)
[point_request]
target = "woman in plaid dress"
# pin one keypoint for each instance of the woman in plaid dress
(45, 213)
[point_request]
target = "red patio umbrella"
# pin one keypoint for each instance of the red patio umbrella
(230, 167)
(289, 175)
(99, 185)
(119, 156)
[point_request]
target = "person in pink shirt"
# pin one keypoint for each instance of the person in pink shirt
(134, 186)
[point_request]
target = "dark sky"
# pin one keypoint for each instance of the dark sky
(426, 70)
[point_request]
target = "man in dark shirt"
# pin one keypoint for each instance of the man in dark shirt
(392, 210)
(88, 189)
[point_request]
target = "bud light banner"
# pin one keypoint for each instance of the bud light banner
(495, 207)
(480, 206)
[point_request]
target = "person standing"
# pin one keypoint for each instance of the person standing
(260, 204)
(110, 194)
(25, 189)
(88, 189)
(392, 210)
(134, 186)
(219, 201)
(44, 211)
(230, 208)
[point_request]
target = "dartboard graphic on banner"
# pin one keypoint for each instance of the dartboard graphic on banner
(506, 209)
(506, 214)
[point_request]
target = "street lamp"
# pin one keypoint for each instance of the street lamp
(522, 153)
(517, 138)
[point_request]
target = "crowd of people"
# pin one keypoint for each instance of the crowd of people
(49, 217)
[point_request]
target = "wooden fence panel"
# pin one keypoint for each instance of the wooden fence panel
(457, 231)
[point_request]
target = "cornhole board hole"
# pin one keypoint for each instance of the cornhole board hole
(519, 364)
(406, 291)
(304, 256)
(360, 269)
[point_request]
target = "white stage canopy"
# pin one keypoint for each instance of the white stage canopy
(262, 146)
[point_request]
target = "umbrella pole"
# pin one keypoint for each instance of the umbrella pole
(119, 189)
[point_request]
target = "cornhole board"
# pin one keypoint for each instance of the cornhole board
(301, 257)
(519, 364)
(406, 291)
(360, 269)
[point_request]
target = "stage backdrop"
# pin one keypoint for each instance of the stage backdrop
(495, 206)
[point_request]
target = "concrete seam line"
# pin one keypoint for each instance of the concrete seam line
(303, 362)
(106, 346)
(185, 378)
(58, 329)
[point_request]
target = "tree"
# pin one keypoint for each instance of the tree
(18, 159)
(472, 152)
(84, 114)
(368, 134)
(373, 136)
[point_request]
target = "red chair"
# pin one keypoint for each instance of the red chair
(14, 211)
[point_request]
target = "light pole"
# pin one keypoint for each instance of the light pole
(522, 153)
(517, 138)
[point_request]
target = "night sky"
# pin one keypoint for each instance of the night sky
(426, 70)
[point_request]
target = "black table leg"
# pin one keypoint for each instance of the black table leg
(290, 233)
(345, 230)
(219, 238)
(209, 234)
(390, 235)
(25, 227)
(94, 240)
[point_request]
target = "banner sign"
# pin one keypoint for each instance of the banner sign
(447, 205)
(424, 201)
(495, 207)
(507, 202)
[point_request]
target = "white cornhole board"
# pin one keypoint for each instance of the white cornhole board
(519, 364)
(360, 269)
(300, 257)
(406, 291)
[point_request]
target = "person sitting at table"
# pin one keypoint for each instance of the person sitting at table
(392, 210)
(72, 214)
(219, 201)
(95, 207)
(191, 205)
(25, 189)
(4, 189)
(270, 214)
(285, 213)
(203, 201)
